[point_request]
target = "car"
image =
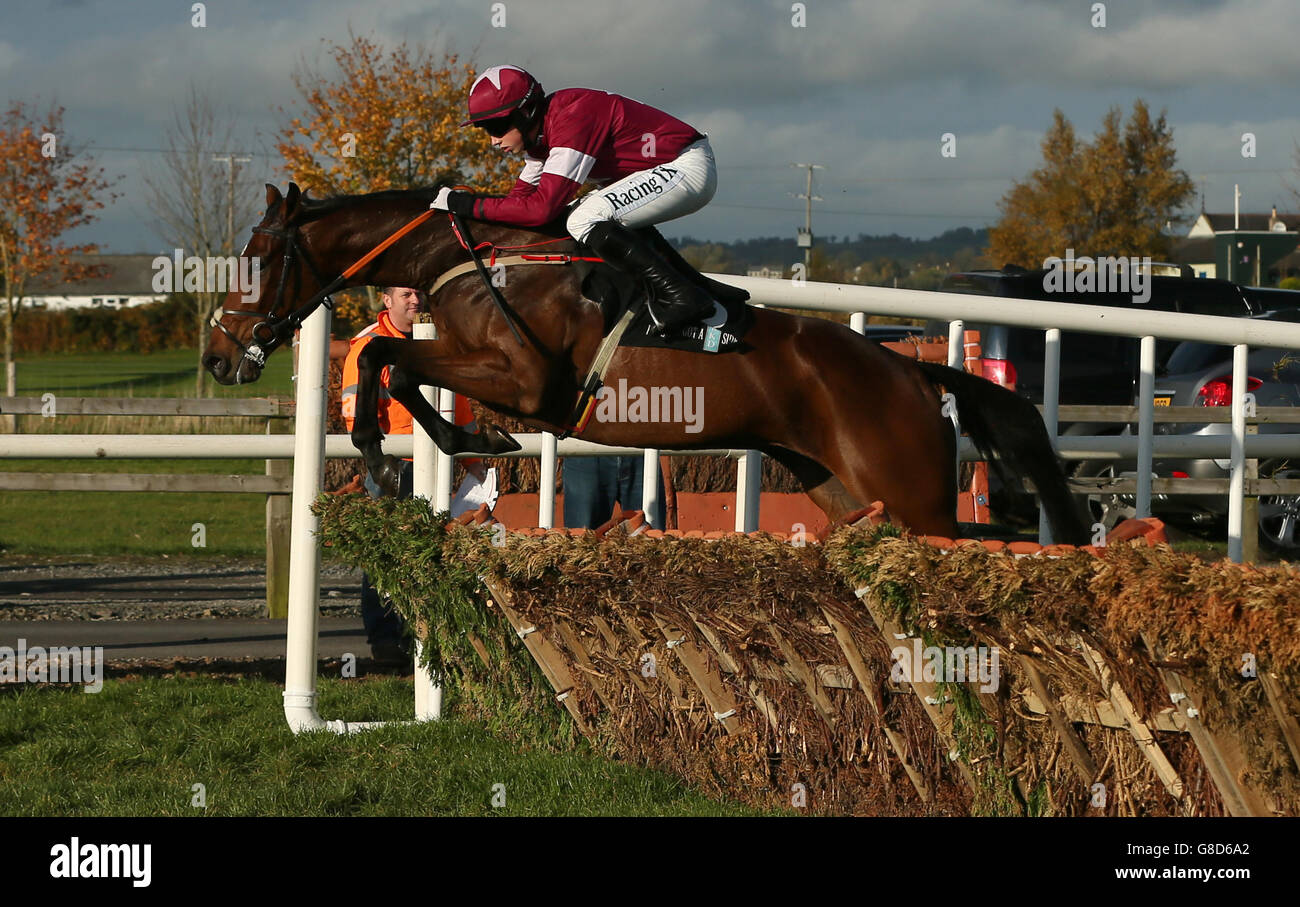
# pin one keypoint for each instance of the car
(891, 333)
(1096, 369)
(1200, 374)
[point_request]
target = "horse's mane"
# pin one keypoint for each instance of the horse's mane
(310, 209)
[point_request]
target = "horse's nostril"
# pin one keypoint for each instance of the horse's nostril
(216, 365)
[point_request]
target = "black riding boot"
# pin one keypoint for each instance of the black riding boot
(683, 302)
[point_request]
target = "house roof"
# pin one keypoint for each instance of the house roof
(1221, 223)
(1197, 250)
(123, 275)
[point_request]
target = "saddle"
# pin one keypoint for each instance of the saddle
(625, 304)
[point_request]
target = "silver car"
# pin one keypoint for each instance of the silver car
(1200, 374)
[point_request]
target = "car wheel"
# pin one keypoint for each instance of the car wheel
(1108, 508)
(1279, 518)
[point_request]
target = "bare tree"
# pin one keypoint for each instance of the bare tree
(201, 196)
(1294, 187)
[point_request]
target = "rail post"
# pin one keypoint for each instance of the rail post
(1237, 478)
(427, 481)
(1146, 423)
(652, 486)
(546, 488)
(304, 549)
(1051, 411)
(278, 541)
(749, 488)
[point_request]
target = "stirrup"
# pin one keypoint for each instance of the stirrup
(665, 326)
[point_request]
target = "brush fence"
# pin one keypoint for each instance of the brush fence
(872, 673)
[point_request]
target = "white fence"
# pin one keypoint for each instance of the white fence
(1052, 317)
(309, 446)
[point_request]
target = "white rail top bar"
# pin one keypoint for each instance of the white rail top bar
(1128, 321)
(269, 447)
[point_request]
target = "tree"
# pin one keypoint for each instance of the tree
(710, 257)
(389, 119)
(823, 268)
(879, 272)
(198, 196)
(1110, 197)
(47, 187)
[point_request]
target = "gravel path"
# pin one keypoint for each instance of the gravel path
(157, 588)
(191, 615)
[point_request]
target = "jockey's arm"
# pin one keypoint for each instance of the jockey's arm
(532, 202)
(555, 181)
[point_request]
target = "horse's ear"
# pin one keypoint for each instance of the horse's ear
(291, 200)
(272, 195)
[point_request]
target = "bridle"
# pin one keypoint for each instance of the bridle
(272, 331)
(280, 329)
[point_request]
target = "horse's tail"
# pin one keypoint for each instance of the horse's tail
(1003, 423)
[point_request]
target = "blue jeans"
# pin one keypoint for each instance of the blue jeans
(383, 624)
(593, 484)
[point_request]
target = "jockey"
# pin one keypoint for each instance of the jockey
(651, 167)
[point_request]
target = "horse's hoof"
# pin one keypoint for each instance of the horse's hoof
(493, 440)
(388, 475)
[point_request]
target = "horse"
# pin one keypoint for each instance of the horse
(853, 421)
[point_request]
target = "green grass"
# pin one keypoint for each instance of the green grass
(167, 373)
(1209, 547)
(139, 523)
(116, 523)
(138, 747)
(112, 523)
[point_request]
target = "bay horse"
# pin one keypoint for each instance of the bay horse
(853, 421)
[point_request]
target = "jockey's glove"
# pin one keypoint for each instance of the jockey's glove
(456, 201)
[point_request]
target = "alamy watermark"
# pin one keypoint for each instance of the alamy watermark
(1106, 274)
(183, 273)
(949, 664)
(75, 860)
(651, 404)
(57, 664)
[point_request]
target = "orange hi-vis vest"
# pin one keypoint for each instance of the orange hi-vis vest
(394, 418)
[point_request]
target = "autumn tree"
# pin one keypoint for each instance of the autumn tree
(1112, 196)
(199, 198)
(387, 118)
(47, 187)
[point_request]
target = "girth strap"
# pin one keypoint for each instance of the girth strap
(469, 267)
(595, 379)
(604, 353)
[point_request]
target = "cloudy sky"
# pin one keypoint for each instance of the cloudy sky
(865, 88)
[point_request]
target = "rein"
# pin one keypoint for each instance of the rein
(467, 243)
(271, 332)
(461, 229)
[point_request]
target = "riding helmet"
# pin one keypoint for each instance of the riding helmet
(505, 91)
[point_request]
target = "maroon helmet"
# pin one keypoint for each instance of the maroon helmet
(504, 93)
